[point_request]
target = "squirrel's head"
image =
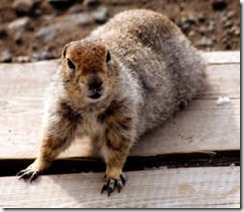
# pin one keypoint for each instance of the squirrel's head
(89, 71)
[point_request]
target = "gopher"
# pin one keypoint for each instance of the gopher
(124, 79)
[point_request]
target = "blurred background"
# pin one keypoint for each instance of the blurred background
(33, 30)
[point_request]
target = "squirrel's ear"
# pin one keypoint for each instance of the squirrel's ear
(64, 51)
(108, 56)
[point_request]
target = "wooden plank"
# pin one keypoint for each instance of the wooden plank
(203, 126)
(220, 57)
(217, 187)
(200, 128)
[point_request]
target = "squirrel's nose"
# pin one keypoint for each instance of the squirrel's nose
(95, 84)
(95, 87)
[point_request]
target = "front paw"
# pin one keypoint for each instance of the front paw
(112, 184)
(28, 173)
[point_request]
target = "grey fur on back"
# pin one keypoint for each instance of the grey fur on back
(166, 70)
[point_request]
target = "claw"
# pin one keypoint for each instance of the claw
(20, 173)
(119, 186)
(123, 179)
(104, 188)
(33, 177)
(111, 184)
(109, 191)
(26, 174)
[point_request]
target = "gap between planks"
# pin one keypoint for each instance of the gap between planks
(211, 187)
(9, 167)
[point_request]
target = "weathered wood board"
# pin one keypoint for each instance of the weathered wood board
(202, 126)
(166, 188)
(222, 57)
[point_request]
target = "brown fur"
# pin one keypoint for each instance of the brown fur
(143, 70)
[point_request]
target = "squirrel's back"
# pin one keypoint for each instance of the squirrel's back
(162, 61)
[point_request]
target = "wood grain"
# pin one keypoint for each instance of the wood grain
(165, 188)
(202, 126)
(222, 57)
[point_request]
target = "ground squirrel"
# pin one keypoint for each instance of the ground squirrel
(122, 80)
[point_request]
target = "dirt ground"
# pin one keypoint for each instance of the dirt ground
(33, 30)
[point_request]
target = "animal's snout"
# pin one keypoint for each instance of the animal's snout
(95, 83)
(95, 87)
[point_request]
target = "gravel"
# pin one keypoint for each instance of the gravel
(219, 4)
(5, 57)
(45, 55)
(204, 41)
(101, 14)
(23, 7)
(30, 27)
(46, 34)
(19, 24)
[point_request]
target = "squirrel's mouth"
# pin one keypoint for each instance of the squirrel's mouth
(96, 95)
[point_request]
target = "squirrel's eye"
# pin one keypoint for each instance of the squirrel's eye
(70, 64)
(108, 57)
